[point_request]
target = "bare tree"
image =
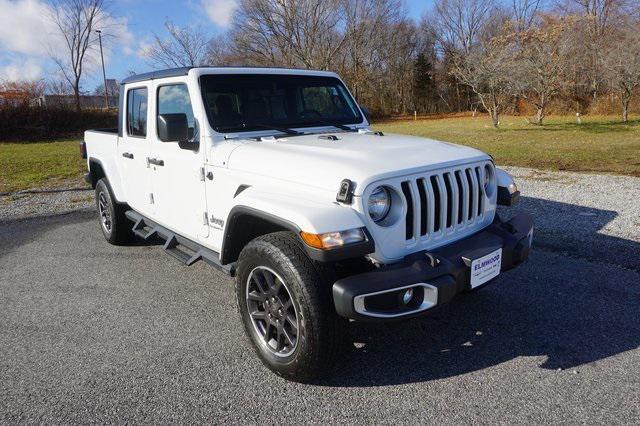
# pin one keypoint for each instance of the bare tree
(457, 27)
(599, 19)
(368, 30)
(541, 62)
(489, 72)
(622, 64)
(58, 87)
(184, 47)
(457, 23)
(76, 20)
(601, 14)
(297, 33)
(524, 13)
(403, 47)
(219, 52)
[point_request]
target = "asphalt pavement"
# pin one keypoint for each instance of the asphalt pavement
(95, 333)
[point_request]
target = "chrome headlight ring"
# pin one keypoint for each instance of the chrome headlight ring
(379, 204)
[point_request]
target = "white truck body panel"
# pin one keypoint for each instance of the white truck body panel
(104, 147)
(293, 178)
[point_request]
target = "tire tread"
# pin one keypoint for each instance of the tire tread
(121, 231)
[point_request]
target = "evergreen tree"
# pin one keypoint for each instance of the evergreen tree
(424, 86)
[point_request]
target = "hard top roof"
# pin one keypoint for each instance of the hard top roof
(176, 72)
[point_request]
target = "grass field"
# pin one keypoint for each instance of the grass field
(39, 164)
(599, 144)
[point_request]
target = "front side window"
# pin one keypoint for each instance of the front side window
(259, 101)
(137, 112)
(174, 99)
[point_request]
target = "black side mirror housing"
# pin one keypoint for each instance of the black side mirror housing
(365, 111)
(173, 127)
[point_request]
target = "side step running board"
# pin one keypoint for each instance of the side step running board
(183, 249)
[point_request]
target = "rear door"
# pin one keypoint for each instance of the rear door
(178, 178)
(133, 150)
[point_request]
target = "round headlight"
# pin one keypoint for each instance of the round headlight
(379, 203)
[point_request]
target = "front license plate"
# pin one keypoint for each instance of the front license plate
(485, 268)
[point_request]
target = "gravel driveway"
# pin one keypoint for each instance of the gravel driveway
(25, 205)
(95, 333)
(583, 215)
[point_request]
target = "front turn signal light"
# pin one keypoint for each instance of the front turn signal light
(331, 240)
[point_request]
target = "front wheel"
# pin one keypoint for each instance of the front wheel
(286, 308)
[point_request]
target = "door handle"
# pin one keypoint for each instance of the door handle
(156, 162)
(127, 155)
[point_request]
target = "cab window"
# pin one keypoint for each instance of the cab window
(174, 99)
(137, 112)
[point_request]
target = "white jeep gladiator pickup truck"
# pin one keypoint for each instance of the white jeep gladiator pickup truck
(274, 177)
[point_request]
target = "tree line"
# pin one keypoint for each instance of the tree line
(519, 56)
(462, 55)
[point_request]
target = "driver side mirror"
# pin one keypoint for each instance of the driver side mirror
(175, 128)
(365, 111)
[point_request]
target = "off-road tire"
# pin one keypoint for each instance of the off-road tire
(322, 334)
(119, 231)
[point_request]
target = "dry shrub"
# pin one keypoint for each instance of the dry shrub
(25, 123)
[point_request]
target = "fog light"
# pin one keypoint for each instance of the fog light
(407, 296)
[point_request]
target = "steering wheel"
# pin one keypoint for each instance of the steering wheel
(310, 113)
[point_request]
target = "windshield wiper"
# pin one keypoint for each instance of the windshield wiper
(284, 130)
(327, 123)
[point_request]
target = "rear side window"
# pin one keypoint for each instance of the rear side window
(137, 112)
(174, 99)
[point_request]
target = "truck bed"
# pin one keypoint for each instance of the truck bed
(110, 130)
(102, 147)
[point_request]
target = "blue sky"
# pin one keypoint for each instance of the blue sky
(26, 38)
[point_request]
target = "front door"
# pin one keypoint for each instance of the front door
(133, 150)
(178, 181)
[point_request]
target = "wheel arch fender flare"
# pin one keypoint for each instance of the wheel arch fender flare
(97, 171)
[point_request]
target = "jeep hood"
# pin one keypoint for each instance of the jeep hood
(317, 161)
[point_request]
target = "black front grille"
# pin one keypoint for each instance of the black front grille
(442, 201)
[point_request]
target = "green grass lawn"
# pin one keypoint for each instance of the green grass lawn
(40, 164)
(599, 144)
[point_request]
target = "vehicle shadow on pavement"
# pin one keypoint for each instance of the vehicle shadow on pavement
(574, 302)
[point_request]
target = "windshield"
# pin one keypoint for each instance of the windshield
(247, 102)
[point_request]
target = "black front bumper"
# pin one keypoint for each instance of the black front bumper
(436, 276)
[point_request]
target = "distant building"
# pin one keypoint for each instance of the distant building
(13, 98)
(113, 87)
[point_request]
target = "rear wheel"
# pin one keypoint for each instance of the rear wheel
(286, 308)
(113, 222)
